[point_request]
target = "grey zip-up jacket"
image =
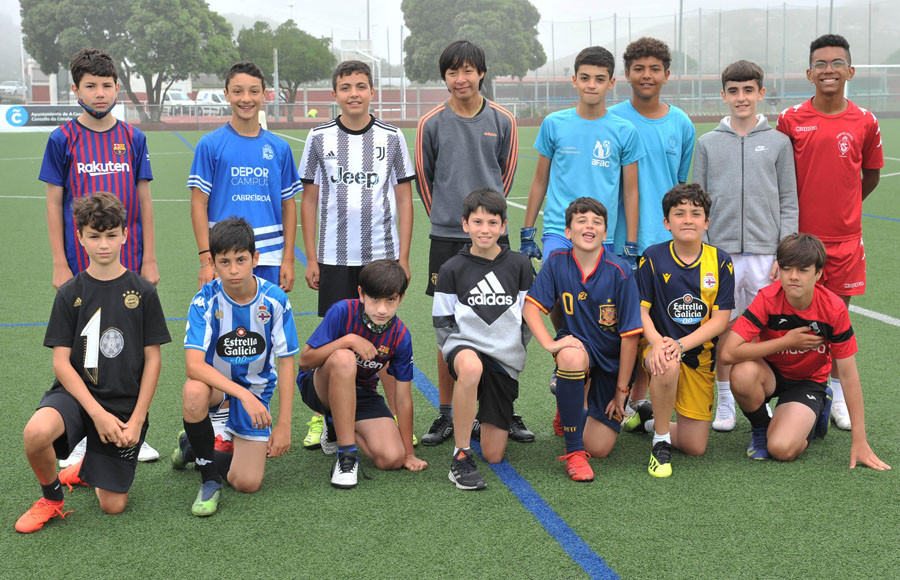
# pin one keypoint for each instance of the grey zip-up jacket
(753, 186)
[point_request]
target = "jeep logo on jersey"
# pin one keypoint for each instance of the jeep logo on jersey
(488, 298)
(687, 309)
(602, 151)
(366, 178)
(240, 346)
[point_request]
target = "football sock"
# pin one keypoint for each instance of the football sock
(223, 463)
(202, 439)
(758, 418)
(724, 396)
(667, 438)
(649, 425)
(53, 491)
(837, 390)
(570, 402)
(446, 410)
(345, 449)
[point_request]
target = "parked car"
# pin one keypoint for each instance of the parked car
(12, 88)
(177, 102)
(211, 102)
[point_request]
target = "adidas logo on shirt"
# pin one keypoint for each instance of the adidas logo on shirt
(489, 292)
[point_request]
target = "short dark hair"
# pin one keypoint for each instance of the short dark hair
(490, 200)
(644, 47)
(101, 211)
(244, 67)
(597, 56)
(92, 61)
(463, 52)
(383, 279)
(232, 234)
(585, 205)
(801, 251)
(829, 40)
(689, 192)
(742, 71)
(348, 67)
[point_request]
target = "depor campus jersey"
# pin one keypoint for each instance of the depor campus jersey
(770, 316)
(669, 146)
(243, 341)
(247, 177)
(84, 162)
(586, 160)
(107, 324)
(394, 345)
(599, 302)
(829, 152)
(356, 172)
(682, 296)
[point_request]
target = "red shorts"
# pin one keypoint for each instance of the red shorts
(845, 268)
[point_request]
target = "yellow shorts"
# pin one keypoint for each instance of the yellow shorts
(696, 391)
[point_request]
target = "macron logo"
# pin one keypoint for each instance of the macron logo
(489, 292)
(95, 168)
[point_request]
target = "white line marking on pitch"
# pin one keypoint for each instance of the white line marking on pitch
(875, 315)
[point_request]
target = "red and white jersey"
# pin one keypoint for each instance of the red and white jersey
(830, 151)
(771, 316)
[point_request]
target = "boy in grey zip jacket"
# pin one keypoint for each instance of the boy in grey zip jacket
(748, 170)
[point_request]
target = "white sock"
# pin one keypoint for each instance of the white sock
(667, 438)
(648, 426)
(725, 398)
(837, 390)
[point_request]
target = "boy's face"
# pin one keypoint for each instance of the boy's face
(463, 82)
(353, 94)
(742, 97)
(98, 93)
(380, 310)
(103, 246)
(830, 70)
(235, 269)
(799, 282)
(587, 232)
(245, 94)
(687, 222)
(484, 229)
(591, 82)
(647, 76)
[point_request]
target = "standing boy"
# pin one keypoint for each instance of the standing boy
(239, 345)
(463, 144)
(598, 339)
(478, 322)
(339, 376)
(687, 294)
(357, 175)
(105, 330)
(97, 152)
(748, 170)
(801, 327)
(834, 143)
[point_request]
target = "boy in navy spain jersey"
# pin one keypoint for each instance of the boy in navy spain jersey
(340, 364)
(598, 338)
(105, 330)
(239, 345)
(801, 326)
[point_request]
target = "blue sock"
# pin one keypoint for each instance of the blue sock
(570, 402)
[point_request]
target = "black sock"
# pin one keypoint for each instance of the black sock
(202, 439)
(347, 449)
(446, 410)
(223, 463)
(53, 492)
(758, 418)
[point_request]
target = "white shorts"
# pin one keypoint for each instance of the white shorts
(751, 274)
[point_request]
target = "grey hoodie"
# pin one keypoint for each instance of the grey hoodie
(753, 186)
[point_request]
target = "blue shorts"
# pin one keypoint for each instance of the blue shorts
(270, 273)
(239, 423)
(601, 391)
(551, 243)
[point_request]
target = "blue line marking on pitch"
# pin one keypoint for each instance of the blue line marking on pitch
(183, 140)
(558, 529)
(881, 217)
(301, 257)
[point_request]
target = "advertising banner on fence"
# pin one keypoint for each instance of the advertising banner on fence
(29, 118)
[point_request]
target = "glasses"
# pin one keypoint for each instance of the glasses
(836, 64)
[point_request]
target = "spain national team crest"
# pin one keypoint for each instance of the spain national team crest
(609, 317)
(845, 142)
(263, 316)
(709, 280)
(119, 148)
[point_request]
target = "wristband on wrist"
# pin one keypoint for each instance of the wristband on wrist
(205, 264)
(626, 391)
(201, 252)
(681, 346)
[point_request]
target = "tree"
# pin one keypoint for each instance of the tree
(893, 58)
(505, 29)
(302, 58)
(160, 41)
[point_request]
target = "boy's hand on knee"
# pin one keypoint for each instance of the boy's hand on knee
(131, 435)
(109, 428)
(258, 413)
(656, 360)
(567, 341)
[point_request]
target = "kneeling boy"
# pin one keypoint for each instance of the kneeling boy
(240, 344)
(339, 378)
(105, 330)
(801, 327)
(598, 339)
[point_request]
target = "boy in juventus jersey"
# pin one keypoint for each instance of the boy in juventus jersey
(105, 330)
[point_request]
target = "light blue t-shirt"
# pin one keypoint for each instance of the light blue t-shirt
(669, 143)
(586, 161)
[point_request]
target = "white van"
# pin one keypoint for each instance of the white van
(212, 102)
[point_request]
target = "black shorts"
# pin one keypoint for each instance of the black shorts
(105, 465)
(496, 390)
(369, 404)
(337, 283)
(805, 392)
(601, 391)
(442, 249)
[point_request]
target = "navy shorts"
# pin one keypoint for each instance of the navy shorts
(601, 391)
(369, 404)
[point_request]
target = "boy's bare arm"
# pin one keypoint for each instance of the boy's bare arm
(628, 349)
(109, 427)
(403, 198)
(735, 349)
(149, 266)
(403, 400)
(199, 370)
(200, 224)
(870, 179)
(61, 271)
(859, 448)
(149, 381)
(311, 358)
(630, 200)
(657, 360)
(289, 227)
(308, 206)
(280, 441)
(538, 191)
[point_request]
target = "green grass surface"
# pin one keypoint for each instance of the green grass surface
(720, 515)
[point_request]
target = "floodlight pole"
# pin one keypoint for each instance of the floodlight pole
(275, 75)
(830, 16)
(380, 80)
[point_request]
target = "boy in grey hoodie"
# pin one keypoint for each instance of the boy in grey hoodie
(748, 170)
